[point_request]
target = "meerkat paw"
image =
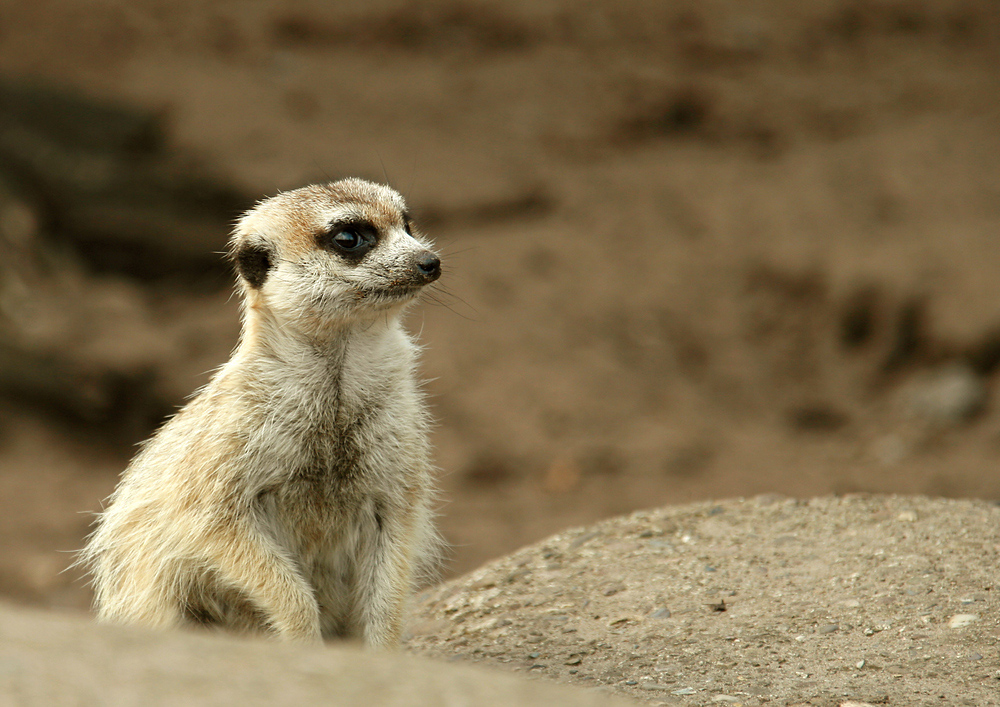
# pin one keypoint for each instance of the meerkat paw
(297, 631)
(381, 637)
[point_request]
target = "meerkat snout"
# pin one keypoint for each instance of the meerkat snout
(429, 266)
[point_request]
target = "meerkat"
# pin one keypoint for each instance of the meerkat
(292, 495)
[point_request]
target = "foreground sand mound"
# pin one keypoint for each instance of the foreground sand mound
(50, 659)
(872, 599)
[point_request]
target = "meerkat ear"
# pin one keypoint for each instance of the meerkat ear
(253, 261)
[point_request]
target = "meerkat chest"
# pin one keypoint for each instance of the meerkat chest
(347, 440)
(329, 495)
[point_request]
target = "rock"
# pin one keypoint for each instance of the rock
(802, 611)
(51, 659)
(962, 620)
(949, 395)
(654, 686)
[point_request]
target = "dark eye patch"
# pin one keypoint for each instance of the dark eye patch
(349, 239)
(253, 261)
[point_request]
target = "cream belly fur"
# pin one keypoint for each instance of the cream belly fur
(293, 494)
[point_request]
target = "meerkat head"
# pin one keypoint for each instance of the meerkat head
(331, 253)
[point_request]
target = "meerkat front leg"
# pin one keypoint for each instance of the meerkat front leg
(385, 567)
(250, 561)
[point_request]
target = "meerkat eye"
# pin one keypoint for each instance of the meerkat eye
(348, 240)
(351, 240)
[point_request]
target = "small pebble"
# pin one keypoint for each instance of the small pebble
(581, 540)
(829, 628)
(860, 664)
(950, 395)
(962, 620)
(684, 691)
(907, 516)
(533, 655)
(975, 656)
(653, 686)
(660, 614)
(631, 682)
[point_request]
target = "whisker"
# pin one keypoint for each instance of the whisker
(449, 252)
(385, 172)
(434, 297)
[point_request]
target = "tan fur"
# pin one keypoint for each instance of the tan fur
(292, 495)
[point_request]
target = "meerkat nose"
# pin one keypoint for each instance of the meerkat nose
(429, 266)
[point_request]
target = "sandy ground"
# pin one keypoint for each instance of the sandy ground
(692, 250)
(835, 601)
(57, 658)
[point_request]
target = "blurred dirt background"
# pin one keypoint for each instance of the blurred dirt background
(693, 249)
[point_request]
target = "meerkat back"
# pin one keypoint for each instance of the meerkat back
(292, 495)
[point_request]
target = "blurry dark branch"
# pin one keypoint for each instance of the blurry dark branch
(109, 185)
(117, 403)
(99, 217)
